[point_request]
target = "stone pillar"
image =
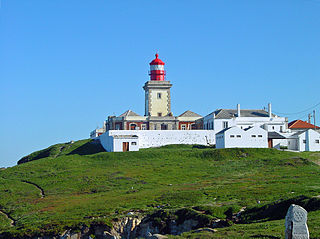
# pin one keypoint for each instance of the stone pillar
(296, 223)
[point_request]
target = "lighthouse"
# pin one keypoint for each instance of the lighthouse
(157, 91)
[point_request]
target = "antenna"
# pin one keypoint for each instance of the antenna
(314, 118)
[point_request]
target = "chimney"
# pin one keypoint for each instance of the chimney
(269, 110)
(238, 110)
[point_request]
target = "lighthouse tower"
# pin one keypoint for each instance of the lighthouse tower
(157, 91)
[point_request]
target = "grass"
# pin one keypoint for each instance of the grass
(81, 182)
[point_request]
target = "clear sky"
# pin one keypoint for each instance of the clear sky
(66, 65)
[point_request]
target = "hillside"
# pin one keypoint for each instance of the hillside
(70, 185)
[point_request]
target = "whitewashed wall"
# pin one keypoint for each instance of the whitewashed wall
(312, 138)
(277, 143)
(157, 138)
(106, 142)
(293, 144)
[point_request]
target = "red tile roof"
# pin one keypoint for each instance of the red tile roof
(299, 124)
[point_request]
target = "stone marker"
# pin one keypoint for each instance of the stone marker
(296, 223)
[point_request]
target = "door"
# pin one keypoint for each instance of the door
(270, 144)
(125, 146)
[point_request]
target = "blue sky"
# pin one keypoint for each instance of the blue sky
(66, 65)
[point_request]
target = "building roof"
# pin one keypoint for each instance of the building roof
(128, 113)
(189, 113)
(224, 130)
(157, 61)
(275, 135)
(299, 124)
(231, 113)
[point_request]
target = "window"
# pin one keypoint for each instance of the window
(260, 136)
(253, 136)
(159, 95)
(231, 136)
(211, 125)
(133, 143)
(317, 141)
(281, 128)
(272, 127)
(238, 136)
(304, 141)
(183, 127)
(225, 124)
(159, 114)
(155, 127)
(143, 127)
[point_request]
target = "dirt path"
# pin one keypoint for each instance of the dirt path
(12, 221)
(42, 194)
(60, 150)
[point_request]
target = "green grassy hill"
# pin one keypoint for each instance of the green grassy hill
(71, 184)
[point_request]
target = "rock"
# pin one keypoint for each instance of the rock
(206, 229)
(296, 223)
(108, 235)
(158, 236)
(75, 236)
(218, 223)
(125, 227)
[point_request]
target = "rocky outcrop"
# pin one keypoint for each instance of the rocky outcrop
(153, 226)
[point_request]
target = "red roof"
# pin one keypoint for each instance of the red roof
(299, 124)
(157, 61)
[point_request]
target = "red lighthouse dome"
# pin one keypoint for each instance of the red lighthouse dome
(157, 71)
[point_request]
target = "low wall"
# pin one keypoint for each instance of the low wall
(157, 138)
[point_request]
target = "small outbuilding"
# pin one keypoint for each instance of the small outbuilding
(121, 143)
(308, 140)
(235, 137)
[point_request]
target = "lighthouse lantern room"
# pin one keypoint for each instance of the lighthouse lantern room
(157, 71)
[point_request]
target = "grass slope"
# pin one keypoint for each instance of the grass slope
(81, 182)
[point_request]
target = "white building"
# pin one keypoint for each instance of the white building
(225, 118)
(98, 131)
(119, 143)
(235, 137)
(121, 140)
(308, 140)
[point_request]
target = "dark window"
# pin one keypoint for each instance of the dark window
(253, 136)
(231, 136)
(260, 136)
(133, 143)
(159, 95)
(238, 136)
